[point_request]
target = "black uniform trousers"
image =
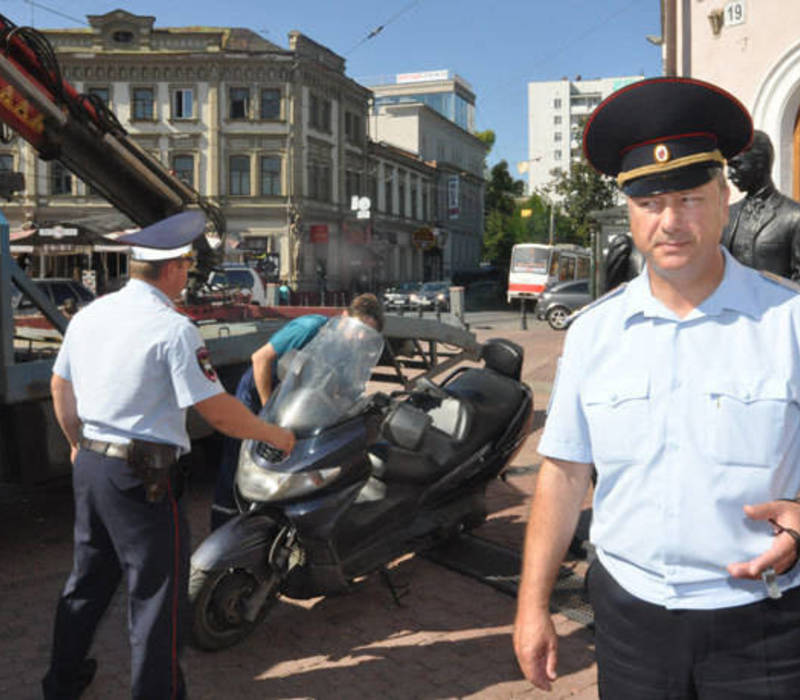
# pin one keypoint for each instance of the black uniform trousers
(647, 652)
(117, 531)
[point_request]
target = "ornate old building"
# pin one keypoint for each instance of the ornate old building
(276, 137)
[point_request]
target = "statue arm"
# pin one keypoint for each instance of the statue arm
(794, 266)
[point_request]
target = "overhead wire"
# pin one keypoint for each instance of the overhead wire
(379, 29)
(40, 6)
(560, 49)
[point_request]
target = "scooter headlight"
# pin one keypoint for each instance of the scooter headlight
(257, 483)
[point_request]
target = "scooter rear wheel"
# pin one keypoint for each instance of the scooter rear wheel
(217, 601)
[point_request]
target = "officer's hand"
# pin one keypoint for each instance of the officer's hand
(782, 554)
(536, 647)
(283, 439)
(73, 453)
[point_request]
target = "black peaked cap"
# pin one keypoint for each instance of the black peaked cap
(664, 134)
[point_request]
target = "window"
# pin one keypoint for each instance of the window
(270, 104)
(101, 93)
(556, 155)
(401, 192)
(183, 167)
(6, 163)
(557, 136)
(557, 119)
(239, 103)
(122, 37)
(414, 197)
(557, 103)
(270, 175)
(60, 179)
(183, 103)
(352, 180)
(424, 203)
(388, 193)
(319, 181)
(353, 129)
(143, 103)
(239, 175)
(320, 113)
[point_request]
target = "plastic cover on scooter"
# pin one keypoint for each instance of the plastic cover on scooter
(326, 378)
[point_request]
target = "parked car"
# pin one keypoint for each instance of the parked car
(432, 295)
(60, 290)
(240, 277)
(397, 297)
(558, 301)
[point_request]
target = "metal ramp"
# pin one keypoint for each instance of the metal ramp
(500, 567)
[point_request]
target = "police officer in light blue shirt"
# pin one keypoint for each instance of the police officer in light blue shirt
(682, 388)
(128, 368)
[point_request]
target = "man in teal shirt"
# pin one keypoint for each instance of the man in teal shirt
(258, 382)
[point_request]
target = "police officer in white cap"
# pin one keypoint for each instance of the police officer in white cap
(129, 367)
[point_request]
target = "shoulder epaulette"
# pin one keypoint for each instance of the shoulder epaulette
(600, 300)
(782, 281)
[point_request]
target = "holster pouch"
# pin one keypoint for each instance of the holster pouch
(155, 463)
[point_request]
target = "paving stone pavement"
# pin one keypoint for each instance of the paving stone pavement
(450, 637)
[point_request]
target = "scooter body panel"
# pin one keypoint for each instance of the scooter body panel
(242, 542)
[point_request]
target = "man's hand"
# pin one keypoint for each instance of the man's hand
(536, 647)
(283, 439)
(782, 554)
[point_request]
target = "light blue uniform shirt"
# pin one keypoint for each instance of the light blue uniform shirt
(136, 365)
(686, 421)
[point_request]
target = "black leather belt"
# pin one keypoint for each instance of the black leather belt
(109, 449)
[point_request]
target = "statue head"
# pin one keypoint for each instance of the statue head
(750, 170)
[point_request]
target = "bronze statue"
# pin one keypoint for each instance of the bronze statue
(764, 227)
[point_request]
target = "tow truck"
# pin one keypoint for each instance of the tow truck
(82, 134)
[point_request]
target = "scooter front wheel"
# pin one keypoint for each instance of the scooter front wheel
(218, 601)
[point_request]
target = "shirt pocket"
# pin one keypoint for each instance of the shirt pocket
(748, 420)
(618, 414)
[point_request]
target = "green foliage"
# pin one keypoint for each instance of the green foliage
(582, 191)
(488, 137)
(502, 223)
(502, 189)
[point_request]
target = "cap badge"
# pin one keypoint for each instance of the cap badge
(661, 153)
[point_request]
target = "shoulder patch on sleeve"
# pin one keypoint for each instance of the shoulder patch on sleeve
(782, 281)
(594, 304)
(204, 360)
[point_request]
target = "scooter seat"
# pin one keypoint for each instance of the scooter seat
(480, 405)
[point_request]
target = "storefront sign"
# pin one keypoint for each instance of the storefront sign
(58, 232)
(318, 233)
(254, 243)
(357, 235)
(423, 238)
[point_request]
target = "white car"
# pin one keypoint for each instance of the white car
(241, 277)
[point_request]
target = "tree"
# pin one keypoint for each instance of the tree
(580, 192)
(488, 137)
(501, 227)
(502, 189)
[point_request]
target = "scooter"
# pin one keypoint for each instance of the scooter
(371, 478)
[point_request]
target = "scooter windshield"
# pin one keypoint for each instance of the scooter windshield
(326, 378)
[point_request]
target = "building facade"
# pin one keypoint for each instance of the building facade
(276, 137)
(752, 49)
(431, 114)
(556, 111)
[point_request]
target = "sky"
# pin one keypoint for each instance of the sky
(498, 46)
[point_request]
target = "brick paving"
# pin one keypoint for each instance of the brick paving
(450, 638)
